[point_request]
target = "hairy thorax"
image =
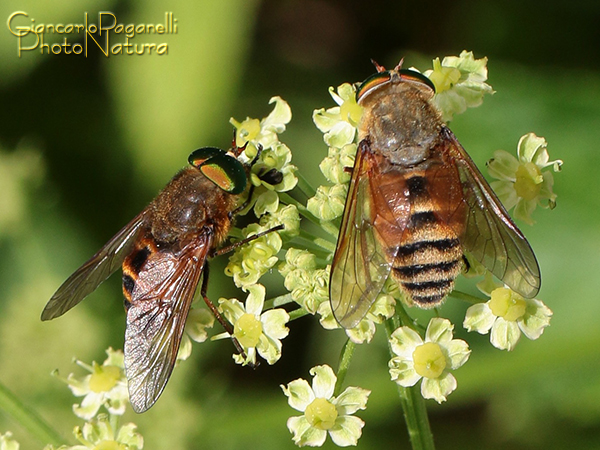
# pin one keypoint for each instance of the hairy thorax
(400, 122)
(187, 205)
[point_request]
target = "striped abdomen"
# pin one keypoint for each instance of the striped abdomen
(429, 257)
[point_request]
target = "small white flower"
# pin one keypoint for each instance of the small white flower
(265, 131)
(275, 156)
(339, 123)
(323, 413)
(381, 310)
(328, 203)
(198, 320)
(104, 386)
(7, 442)
(506, 315)
(251, 261)
(256, 331)
(521, 183)
(459, 83)
(100, 434)
(430, 360)
(338, 160)
(309, 288)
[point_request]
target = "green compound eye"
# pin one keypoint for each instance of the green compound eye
(220, 168)
(226, 172)
(200, 156)
(371, 82)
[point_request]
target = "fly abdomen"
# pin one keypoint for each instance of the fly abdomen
(133, 264)
(429, 257)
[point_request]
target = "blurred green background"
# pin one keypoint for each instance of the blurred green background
(85, 143)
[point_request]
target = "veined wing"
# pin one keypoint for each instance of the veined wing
(160, 302)
(489, 234)
(90, 275)
(364, 253)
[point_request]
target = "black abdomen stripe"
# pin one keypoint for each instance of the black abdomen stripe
(420, 219)
(417, 186)
(441, 245)
(137, 259)
(419, 269)
(429, 285)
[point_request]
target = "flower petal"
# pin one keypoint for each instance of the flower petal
(439, 330)
(299, 394)
(323, 381)
(341, 134)
(279, 117)
(402, 371)
(89, 406)
(503, 166)
(351, 400)
(438, 388)
(347, 431)
(536, 318)
(304, 433)
(256, 299)
(363, 332)
(326, 119)
(269, 349)
(231, 309)
(505, 335)
(404, 341)
(273, 322)
(458, 352)
(479, 318)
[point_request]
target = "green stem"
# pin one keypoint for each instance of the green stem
(321, 248)
(278, 301)
(297, 313)
(305, 186)
(466, 297)
(30, 420)
(413, 406)
(345, 359)
(322, 243)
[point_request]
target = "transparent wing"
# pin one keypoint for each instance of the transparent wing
(90, 275)
(490, 235)
(362, 260)
(160, 304)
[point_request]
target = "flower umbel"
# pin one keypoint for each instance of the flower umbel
(251, 261)
(256, 331)
(275, 156)
(521, 183)
(506, 315)
(430, 359)
(104, 386)
(323, 413)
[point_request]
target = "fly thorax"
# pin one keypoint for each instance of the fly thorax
(401, 124)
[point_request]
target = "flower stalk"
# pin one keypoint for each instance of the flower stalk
(29, 419)
(413, 406)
